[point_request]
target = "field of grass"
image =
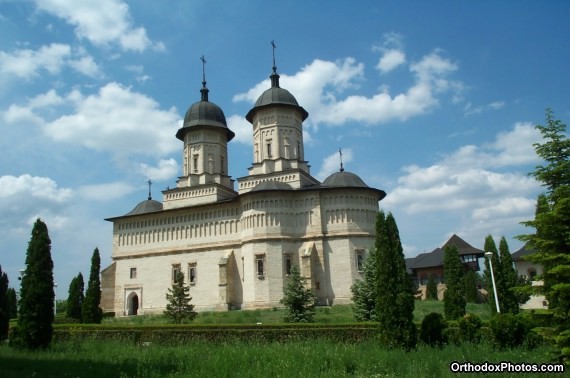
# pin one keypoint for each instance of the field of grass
(325, 315)
(94, 358)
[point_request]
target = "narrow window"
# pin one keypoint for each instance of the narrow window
(260, 265)
(133, 273)
(175, 271)
(269, 148)
(195, 163)
(359, 254)
(192, 273)
(288, 265)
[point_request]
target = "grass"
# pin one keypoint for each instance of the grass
(94, 358)
(324, 315)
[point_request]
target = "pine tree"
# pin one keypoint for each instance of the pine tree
(471, 292)
(364, 292)
(179, 308)
(298, 300)
(431, 289)
(454, 296)
(395, 301)
(552, 226)
(4, 309)
(490, 246)
(75, 298)
(36, 312)
(91, 311)
(508, 279)
(12, 303)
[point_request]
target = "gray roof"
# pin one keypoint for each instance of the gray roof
(435, 257)
(271, 185)
(147, 206)
(522, 253)
(345, 180)
(276, 96)
(204, 114)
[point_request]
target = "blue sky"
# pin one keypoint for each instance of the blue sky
(433, 102)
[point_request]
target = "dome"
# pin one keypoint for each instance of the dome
(204, 114)
(271, 185)
(148, 206)
(344, 179)
(276, 96)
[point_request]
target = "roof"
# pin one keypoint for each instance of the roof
(276, 96)
(204, 114)
(522, 253)
(435, 257)
(463, 247)
(147, 206)
(345, 180)
(271, 185)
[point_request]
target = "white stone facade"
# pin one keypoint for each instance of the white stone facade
(236, 248)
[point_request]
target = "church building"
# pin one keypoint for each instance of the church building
(236, 247)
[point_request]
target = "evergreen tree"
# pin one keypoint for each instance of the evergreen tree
(36, 311)
(179, 308)
(364, 292)
(509, 280)
(76, 297)
(298, 300)
(490, 246)
(552, 226)
(12, 303)
(395, 301)
(471, 292)
(431, 289)
(91, 311)
(4, 309)
(454, 296)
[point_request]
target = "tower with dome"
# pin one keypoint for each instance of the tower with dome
(236, 247)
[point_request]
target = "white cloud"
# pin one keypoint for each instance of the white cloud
(320, 86)
(27, 63)
(86, 65)
(331, 163)
(242, 128)
(102, 22)
(105, 192)
(166, 170)
(391, 60)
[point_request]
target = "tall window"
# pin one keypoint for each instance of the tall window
(359, 259)
(222, 163)
(195, 163)
(287, 148)
(269, 148)
(175, 271)
(133, 273)
(192, 273)
(288, 265)
(260, 265)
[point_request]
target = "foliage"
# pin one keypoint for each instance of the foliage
(364, 292)
(552, 226)
(90, 310)
(179, 308)
(431, 289)
(509, 331)
(432, 331)
(12, 302)
(4, 309)
(470, 328)
(36, 312)
(454, 296)
(471, 292)
(509, 301)
(490, 246)
(76, 297)
(298, 300)
(395, 301)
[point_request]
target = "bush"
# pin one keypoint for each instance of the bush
(511, 331)
(470, 328)
(433, 330)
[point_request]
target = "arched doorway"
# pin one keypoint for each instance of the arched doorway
(133, 304)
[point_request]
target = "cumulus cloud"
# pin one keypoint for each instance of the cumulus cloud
(105, 192)
(242, 128)
(102, 22)
(166, 169)
(331, 163)
(322, 85)
(391, 60)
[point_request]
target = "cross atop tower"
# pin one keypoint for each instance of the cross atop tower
(340, 153)
(149, 185)
(203, 59)
(274, 47)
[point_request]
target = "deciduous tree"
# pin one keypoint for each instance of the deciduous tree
(91, 311)
(395, 301)
(36, 312)
(299, 301)
(179, 309)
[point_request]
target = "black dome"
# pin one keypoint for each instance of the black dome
(271, 185)
(344, 180)
(204, 114)
(148, 206)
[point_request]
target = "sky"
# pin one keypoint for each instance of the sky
(433, 102)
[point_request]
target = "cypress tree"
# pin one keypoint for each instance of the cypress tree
(454, 296)
(75, 298)
(395, 301)
(509, 280)
(36, 312)
(4, 308)
(298, 300)
(364, 292)
(179, 308)
(12, 303)
(471, 292)
(431, 289)
(490, 246)
(90, 311)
